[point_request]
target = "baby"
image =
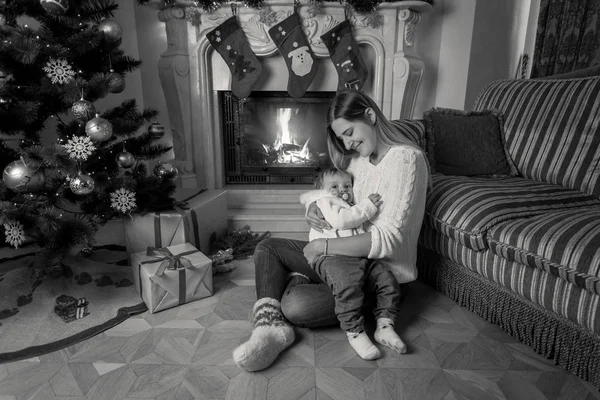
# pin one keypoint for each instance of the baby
(346, 275)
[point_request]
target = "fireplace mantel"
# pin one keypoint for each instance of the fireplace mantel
(192, 73)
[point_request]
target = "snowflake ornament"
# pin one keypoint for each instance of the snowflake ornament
(123, 200)
(15, 233)
(80, 147)
(59, 71)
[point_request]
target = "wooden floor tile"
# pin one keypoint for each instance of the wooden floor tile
(185, 353)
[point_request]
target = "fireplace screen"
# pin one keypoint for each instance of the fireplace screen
(271, 137)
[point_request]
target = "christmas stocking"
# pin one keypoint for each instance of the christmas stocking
(231, 43)
(345, 55)
(299, 58)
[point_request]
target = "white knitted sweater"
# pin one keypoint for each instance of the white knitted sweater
(401, 178)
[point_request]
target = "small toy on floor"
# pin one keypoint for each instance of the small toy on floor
(70, 309)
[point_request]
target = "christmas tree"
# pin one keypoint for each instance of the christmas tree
(60, 186)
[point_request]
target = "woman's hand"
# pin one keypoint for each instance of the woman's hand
(315, 218)
(313, 250)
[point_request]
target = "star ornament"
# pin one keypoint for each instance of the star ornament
(80, 147)
(123, 200)
(59, 71)
(15, 233)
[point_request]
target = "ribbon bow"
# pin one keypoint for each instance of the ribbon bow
(169, 260)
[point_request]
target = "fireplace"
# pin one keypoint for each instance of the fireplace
(272, 138)
(195, 79)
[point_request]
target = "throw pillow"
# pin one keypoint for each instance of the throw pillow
(467, 143)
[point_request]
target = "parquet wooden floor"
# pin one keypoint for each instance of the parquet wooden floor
(185, 353)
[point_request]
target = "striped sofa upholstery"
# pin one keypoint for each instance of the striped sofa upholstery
(546, 290)
(524, 251)
(465, 208)
(414, 129)
(552, 128)
(565, 244)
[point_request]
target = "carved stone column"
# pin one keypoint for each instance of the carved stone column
(174, 73)
(408, 66)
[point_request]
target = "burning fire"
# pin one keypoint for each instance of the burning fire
(286, 149)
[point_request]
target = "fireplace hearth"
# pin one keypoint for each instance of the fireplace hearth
(272, 138)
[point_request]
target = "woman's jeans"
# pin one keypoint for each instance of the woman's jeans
(306, 305)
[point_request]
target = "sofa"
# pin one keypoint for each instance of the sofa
(522, 248)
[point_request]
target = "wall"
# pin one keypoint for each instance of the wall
(498, 40)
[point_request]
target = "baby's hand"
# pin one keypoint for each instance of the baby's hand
(376, 199)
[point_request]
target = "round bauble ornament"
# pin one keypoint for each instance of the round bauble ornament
(111, 29)
(125, 159)
(56, 7)
(82, 185)
(116, 82)
(21, 178)
(165, 170)
(99, 129)
(83, 110)
(156, 130)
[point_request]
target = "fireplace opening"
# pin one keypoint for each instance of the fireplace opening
(273, 138)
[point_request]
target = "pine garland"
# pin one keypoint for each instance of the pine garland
(360, 6)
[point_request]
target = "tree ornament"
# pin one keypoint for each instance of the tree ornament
(87, 250)
(15, 233)
(5, 102)
(156, 130)
(83, 110)
(82, 185)
(289, 37)
(116, 82)
(59, 71)
(345, 55)
(4, 78)
(111, 29)
(80, 147)
(123, 200)
(231, 43)
(125, 159)
(99, 129)
(56, 7)
(165, 170)
(21, 178)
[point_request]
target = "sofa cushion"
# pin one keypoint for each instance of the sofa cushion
(552, 128)
(414, 129)
(566, 244)
(464, 208)
(546, 290)
(467, 142)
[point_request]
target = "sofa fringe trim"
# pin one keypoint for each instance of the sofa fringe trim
(564, 342)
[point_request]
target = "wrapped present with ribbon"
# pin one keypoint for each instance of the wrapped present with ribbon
(166, 277)
(200, 221)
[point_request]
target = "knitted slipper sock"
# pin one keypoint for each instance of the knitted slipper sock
(387, 336)
(270, 336)
(361, 343)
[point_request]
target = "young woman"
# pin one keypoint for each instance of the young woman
(362, 141)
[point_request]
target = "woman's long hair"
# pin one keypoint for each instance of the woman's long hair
(351, 105)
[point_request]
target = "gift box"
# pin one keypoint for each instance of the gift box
(200, 222)
(169, 276)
